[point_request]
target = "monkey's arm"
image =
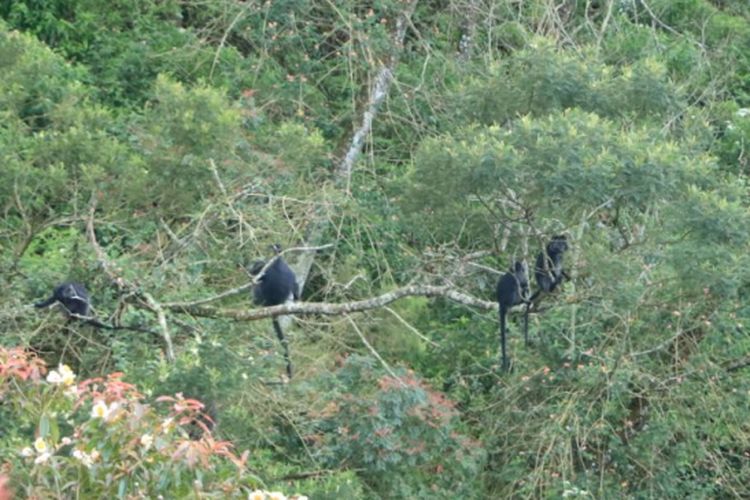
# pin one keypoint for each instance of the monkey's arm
(46, 303)
(534, 296)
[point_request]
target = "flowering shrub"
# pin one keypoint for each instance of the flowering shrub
(98, 438)
(402, 436)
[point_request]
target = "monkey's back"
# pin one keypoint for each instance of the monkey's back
(547, 279)
(74, 297)
(507, 291)
(276, 285)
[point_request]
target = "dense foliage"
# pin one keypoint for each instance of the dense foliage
(153, 149)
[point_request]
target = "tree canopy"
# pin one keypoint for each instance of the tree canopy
(404, 154)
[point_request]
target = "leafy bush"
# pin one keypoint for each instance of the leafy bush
(541, 79)
(403, 436)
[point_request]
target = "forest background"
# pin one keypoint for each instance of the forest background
(404, 153)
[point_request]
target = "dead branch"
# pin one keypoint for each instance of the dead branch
(738, 365)
(378, 93)
(126, 287)
(242, 288)
(332, 309)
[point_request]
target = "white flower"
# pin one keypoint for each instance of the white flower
(71, 392)
(574, 491)
(257, 495)
(27, 452)
(66, 441)
(40, 445)
(167, 425)
(54, 378)
(63, 375)
(101, 410)
(147, 440)
(83, 457)
(743, 112)
(68, 377)
(276, 495)
(42, 458)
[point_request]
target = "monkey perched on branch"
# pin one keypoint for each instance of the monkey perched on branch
(512, 289)
(77, 306)
(276, 285)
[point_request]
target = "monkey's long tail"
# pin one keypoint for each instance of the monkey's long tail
(284, 344)
(46, 303)
(503, 312)
(526, 324)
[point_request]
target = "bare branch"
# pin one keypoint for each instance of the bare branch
(665, 26)
(240, 289)
(378, 94)
(125, 286)
(469, 30)
(375, 353)
(213, 298)
(410, 327)
(332, 309)
(223, 40)
(738, 365)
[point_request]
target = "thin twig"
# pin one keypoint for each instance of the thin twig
(374, 352)
(411, 328)
(224, 41)
(242, 288)
(125, 286)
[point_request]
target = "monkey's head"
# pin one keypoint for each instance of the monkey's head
(557, 245)
(522, 277)
(254, 268)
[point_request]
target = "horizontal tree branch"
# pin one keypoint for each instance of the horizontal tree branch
(242, 288)
(738, 365)
(334, 309)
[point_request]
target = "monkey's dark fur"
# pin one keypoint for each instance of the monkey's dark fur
(77, 305)
(512, 289)
(275, 286)
(548, 271)
(73, 296)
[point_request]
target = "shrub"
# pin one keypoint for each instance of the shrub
(98, 438)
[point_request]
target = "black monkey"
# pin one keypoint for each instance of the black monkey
(548, 271)
(277, 285)
(73, 296)
(512, 289)
(77, 304)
